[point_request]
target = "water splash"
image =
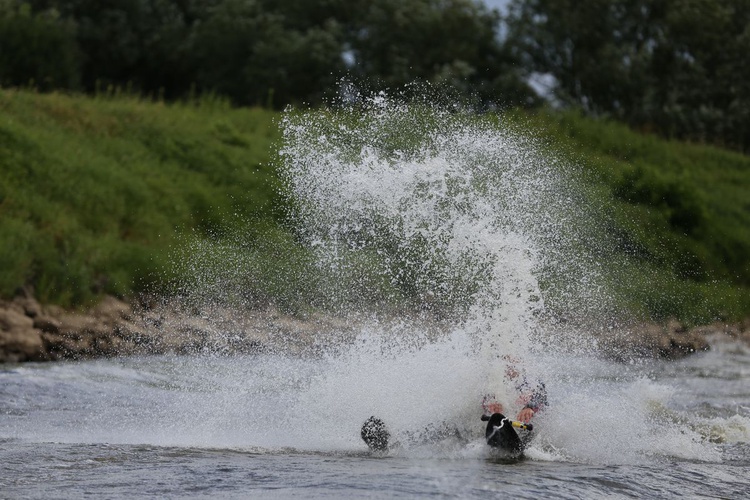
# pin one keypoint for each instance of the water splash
(460, 215)
(451, 240)
(471, 221)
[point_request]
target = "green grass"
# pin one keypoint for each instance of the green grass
(95, 193)
(118, 195)
(679, 212)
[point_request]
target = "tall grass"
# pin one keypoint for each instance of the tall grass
(678, 212)
(96, 195)
(95, 192)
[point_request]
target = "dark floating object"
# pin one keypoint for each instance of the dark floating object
(501, 434)
(375, 434)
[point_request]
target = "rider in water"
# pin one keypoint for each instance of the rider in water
(533, 398)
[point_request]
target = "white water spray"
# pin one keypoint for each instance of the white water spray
(458, 213)
(471, 221)
(448, 240)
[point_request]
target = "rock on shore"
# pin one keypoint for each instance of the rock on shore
(32, 332)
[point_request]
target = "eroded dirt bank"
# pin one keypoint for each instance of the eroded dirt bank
(30, 331)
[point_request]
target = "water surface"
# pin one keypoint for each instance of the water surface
(269, 427)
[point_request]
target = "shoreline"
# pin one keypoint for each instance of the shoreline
(32, 332)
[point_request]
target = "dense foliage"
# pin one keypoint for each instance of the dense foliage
(95, 192)
(677, 67)
(678, 213)
(256, 52)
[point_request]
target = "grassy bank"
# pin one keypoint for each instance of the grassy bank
(95, 193)
(679, 212)
(98, 195)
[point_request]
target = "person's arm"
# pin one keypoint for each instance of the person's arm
(536, 403)
(494, 408)
(525, 415)
(490, 405)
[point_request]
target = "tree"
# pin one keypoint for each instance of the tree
(278, 51)
(135, 43)
(673, 66)
(449, 42)
(257, 55)
(37, 49)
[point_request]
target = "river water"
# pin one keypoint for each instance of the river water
(458, 245)
(278, 427)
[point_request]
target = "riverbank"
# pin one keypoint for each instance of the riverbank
(30, 331)
(107, 195)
